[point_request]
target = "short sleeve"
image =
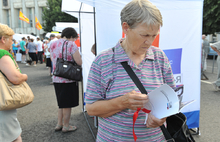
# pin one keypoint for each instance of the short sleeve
(52, 46)
(94, 90)
(73, 47)
(165, 66)
(168, 74)
(22, 43)
(4, 52)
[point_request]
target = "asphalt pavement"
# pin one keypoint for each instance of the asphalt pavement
(40, 117)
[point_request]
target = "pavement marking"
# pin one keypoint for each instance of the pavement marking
(206, 82)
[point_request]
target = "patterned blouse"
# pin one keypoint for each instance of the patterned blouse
(56, 52)
(107, 80)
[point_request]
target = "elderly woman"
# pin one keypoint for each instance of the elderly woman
(111, 92)
(10, 129)
(67, 91)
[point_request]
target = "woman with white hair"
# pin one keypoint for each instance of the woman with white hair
(111, 92)
(10, 129)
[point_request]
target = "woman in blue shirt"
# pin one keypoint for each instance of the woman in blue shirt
(14, 48)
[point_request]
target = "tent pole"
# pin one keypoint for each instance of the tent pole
(80, 35)
(95, 31)
(95, 118)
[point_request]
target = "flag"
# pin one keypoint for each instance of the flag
(37, 24)
(23, 17)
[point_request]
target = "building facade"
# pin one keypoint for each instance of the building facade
(9, 11)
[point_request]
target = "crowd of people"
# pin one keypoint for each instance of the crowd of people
(34, 51)
(66, 90)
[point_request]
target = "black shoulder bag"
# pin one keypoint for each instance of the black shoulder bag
(68, 69)
(177, 130)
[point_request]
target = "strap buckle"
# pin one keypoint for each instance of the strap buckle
(171, 140)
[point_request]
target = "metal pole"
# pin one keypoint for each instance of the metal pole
(95, 118)
(95, 31)
(80, 35)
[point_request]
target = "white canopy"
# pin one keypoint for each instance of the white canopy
(48, 34)
(18, 37)
(62, 25)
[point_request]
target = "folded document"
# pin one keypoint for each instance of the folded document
(164, 102)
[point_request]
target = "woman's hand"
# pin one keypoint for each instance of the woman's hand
(153, 122)
(134, 100)
(106, 108)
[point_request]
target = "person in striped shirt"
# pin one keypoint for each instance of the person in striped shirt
(111, 94)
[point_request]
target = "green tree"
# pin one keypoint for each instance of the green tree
(211, 16)
(52, 13)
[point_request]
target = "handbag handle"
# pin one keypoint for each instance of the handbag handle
(66, 52)
(140, 86)
(66, 49)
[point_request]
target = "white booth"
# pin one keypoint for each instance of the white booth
(180, 38)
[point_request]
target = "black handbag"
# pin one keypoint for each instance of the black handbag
(68, 69)
(177, 130)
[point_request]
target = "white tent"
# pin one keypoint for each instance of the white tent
(62, 25)
(18, 37)
(48, 34)
(180, 35)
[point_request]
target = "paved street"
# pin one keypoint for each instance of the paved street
(40, 117)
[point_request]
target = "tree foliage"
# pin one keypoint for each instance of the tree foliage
(52, 13)
(211, 16)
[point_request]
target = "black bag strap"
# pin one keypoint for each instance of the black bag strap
(166, 134)
(74, 62)
(140, 86)
(134, 77)
(66, 48)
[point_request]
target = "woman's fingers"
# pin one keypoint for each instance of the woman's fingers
(153, 122)
(134, 100)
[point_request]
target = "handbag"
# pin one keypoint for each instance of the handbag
(177, 130)
(68, 69)
(14, 96)
(28, 59)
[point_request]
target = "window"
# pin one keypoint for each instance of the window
(42, 21)
(5, 2)
(8, 20)
(30, 17)
(19, 21)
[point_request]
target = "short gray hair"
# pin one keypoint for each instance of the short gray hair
(140, 12)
